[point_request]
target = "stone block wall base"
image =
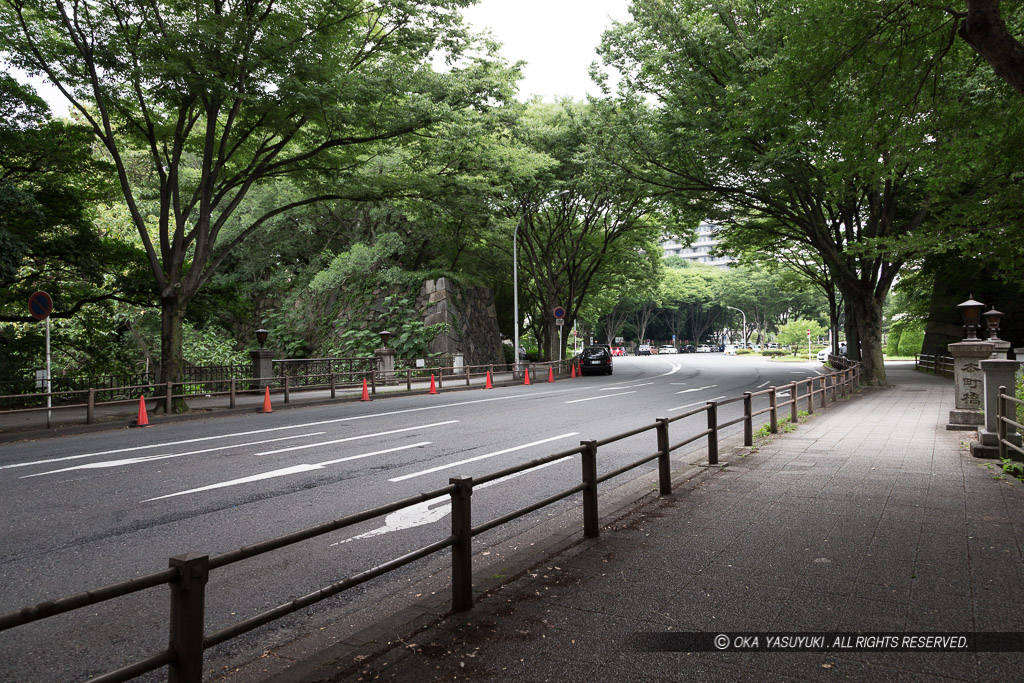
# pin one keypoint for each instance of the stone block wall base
(965, 419)
(979, 450)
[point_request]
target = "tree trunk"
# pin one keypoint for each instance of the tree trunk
(867, 314)
(172, 318)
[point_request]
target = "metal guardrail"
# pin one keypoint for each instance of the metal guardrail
(188, 574)
(935, 364)
(1003, 403)
(345, 380)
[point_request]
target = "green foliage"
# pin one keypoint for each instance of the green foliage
(892, 346)
(201, 104)
(794, 333)
(911, 340)
(773, 353)
(1014, 468)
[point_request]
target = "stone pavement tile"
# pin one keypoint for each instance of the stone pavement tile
(862, 614)
(889, 546)
(839, 667)
(940, 666)
(942, 549)
(946, 578)
(934, 611)
(999, 666)
(894, 575)
(810, 611)
(792, 666)
(674, 667)
(997, 611)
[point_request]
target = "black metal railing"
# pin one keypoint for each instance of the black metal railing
(188, 574)
(1008, 414)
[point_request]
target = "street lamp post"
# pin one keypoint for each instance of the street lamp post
(744, 324)
(515, 271)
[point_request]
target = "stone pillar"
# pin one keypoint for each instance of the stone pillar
(968, 384)
(262, 368)
(386, 363)
(998, 373)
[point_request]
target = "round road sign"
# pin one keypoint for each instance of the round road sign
(40, 305)
(559, 312)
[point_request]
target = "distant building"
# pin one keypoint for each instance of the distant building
(700, 250)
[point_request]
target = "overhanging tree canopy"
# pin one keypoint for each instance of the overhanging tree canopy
(197, 102)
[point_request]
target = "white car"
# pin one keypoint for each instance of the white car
(730, 350)
(667, 348)
(823, 355)
(703, 348)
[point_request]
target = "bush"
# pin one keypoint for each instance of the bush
(773, 352)
(743, 352)
(892, 347)
(911, 340)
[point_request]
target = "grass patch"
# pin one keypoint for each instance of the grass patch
(786, 425)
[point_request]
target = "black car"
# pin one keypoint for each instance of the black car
(596, 360)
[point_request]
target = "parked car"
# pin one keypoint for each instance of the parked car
(643, 350)
(824, 354)
(689, 348)
(703, 348)
(667, 348)
(596, 360)
(729, 350)
(618, 351)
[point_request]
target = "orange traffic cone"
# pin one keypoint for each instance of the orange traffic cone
(142, 420)
(433, 387)
(488, 385)
(366, 394)
(266, 401)
(527, 376)
(551, 374)
(572, 375)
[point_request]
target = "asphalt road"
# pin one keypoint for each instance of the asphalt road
(85, 511)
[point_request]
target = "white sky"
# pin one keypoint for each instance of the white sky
(557, 39)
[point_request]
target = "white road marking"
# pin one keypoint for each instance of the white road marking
(594, 398)
(432, 510)
(687, 391)
(762, 385)
(148, 458)
(481, 457)
(675, 368)
(356, 438)
(286, 471)
(261, 431)
(632, 386)
(698, 403)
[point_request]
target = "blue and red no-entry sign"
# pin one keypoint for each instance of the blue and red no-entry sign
(40, 305)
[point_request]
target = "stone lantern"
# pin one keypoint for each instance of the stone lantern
(969, 382)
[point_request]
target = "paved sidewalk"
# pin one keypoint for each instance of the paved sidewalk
(868, 517)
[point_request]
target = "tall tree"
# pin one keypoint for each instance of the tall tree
(818, 124)
(198, 102)
(984, 28)
(581, 221)
(50, 185)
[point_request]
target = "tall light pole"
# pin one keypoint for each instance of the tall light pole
(744, 324)
(515, 269)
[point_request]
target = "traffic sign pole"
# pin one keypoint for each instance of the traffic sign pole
(49, 386)
(40, 305)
